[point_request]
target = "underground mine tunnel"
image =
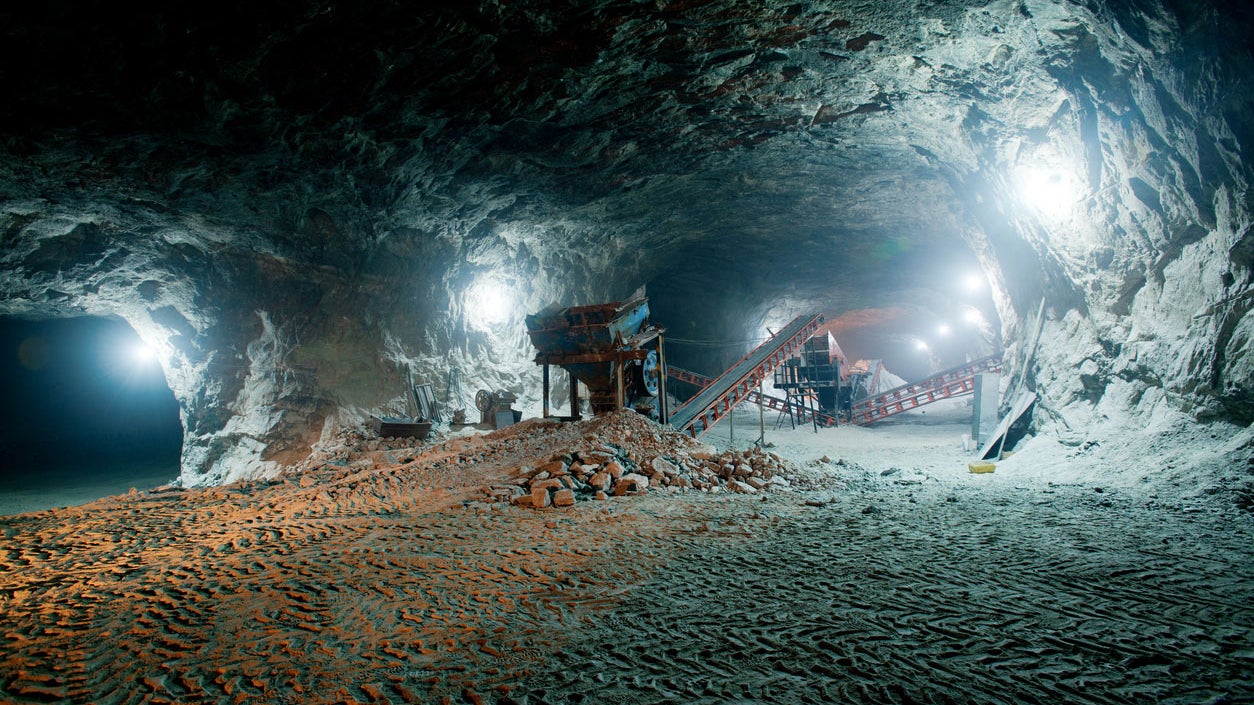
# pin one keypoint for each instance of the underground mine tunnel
(318, 218)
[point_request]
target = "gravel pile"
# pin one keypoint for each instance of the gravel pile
(625, 454)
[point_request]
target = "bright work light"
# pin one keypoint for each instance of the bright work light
(1049, 191)
(487, 303)
(143, 355)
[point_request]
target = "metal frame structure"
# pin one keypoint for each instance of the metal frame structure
(800, 410)
(943, 385)
(717, 400)
(598, 345)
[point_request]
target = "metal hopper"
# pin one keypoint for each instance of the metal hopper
(608, 347)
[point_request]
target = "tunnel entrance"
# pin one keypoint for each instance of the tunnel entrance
(85, 413)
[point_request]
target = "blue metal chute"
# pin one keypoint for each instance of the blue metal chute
(602, 346)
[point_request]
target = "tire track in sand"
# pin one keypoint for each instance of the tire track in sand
(935, 599)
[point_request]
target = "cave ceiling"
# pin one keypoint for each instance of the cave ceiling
(769, 140)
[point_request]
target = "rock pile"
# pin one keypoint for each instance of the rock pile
(626, 454)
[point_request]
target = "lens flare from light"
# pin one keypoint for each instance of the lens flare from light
(942, 330)
(143, 355)
(922, 346)
(1049, 191)
(488, 303)
(973, 317)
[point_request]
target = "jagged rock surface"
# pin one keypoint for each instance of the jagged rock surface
(295, 206)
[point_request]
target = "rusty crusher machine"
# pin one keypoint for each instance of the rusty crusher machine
(610, 348)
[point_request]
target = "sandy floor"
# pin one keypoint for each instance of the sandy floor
(48, 488)
(885, 574)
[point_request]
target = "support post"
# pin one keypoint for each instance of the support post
(620, 392)
(761, 413)
(546, 390)
(574, 397)
(814, 407)
(663, 402)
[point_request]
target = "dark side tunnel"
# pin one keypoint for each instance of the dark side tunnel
(87, 412)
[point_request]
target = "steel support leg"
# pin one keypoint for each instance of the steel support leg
(546, 390)
(663, 402)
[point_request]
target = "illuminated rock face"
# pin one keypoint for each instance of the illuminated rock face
(298, 208)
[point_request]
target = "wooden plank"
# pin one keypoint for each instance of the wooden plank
(425, 394)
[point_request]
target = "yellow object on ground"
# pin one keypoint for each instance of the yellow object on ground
(981, 466)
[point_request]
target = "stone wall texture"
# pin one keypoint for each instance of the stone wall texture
(299, 207)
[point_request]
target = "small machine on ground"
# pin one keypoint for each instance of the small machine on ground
(496, 409)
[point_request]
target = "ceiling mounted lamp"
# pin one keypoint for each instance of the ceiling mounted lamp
(141, 354)
(133, 363)
(1049, 190)
(488, 303)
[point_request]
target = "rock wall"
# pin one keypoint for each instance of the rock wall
(1147, 291)
(263, 347)
(298, 213)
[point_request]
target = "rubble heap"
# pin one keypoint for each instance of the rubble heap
(626, 454)
(536, 463)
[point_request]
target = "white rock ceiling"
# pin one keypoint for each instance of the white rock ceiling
(295, 204)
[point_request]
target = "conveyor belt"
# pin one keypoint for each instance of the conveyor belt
(774, 403)
(733, 386)
(950, 383)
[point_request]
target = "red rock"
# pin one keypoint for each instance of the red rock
(540, 497)
(600, 481)
(630, 482)
(554, 467)
(563, 498)
(596, 456)
(664, 466)
(704, 451)
(546, 483)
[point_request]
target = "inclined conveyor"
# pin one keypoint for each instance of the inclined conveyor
(943, 385)
(798, 410)
(733, 386)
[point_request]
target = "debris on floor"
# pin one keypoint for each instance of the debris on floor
(624, 453)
